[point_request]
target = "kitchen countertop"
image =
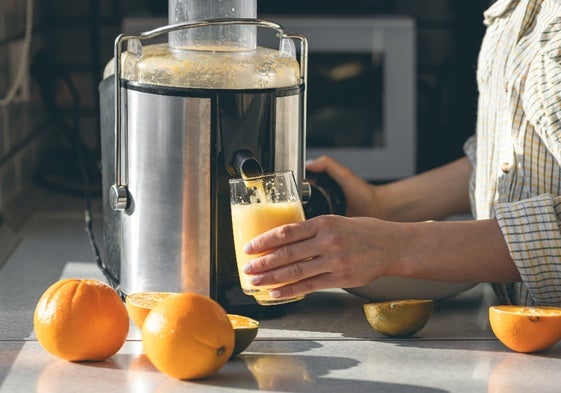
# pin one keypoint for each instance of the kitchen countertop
(323, 344)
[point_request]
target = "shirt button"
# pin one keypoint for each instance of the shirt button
(506, 167)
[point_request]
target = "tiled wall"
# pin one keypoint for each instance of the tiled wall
(79, 36)
(21, 116)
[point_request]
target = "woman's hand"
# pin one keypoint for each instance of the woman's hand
(323, 252)
(341, 252)
(431, 195)
(361, 197)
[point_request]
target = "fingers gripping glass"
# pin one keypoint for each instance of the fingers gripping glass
(259, 204)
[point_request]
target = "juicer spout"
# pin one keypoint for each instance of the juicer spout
(246, 164)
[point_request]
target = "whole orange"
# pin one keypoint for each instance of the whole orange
(78, 319)
(526, 329)
(188, 336)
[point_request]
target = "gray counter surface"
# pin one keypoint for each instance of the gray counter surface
(324, 344)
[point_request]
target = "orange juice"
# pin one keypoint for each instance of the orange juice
(252, 219)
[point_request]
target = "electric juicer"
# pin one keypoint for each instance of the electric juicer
(180, 119)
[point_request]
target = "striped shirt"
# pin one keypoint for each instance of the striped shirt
(516, 152)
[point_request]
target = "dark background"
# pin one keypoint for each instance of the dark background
(73, 41)
(446, 88)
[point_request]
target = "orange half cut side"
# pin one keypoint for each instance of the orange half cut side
(526, 329)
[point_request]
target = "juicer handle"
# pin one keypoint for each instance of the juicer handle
(325, 196)
(118, 194)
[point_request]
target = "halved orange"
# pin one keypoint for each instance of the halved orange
(139, 304)
(526, 329)
(245, 331)
(399, 318)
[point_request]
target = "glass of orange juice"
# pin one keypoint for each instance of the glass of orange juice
(258, 204)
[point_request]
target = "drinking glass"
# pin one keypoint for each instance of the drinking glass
(258, 204)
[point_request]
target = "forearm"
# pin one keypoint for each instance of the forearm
(467, 251)
(432, 195)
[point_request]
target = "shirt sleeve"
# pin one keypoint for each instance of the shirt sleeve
(531, 229)
(532, 226)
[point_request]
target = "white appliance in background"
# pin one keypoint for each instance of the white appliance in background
(361, 89)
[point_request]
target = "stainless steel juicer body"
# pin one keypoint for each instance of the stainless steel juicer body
(167, 155)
